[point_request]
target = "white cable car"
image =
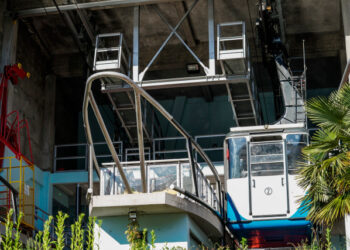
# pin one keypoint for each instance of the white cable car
(260, 171)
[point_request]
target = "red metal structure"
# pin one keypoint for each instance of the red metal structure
(11, 126)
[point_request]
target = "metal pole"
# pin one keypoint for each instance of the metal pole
(91, 170)
(211, 38)
(249, 179)
(77, 200)
(285, 162)
(109, 142)
(135, 49)
(193, 167)
(140, 141)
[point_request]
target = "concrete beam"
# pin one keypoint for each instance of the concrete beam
(104, 4)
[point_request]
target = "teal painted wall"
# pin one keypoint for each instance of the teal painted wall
(175, 229)
(198, 116)
(108, 117)
(169, 228)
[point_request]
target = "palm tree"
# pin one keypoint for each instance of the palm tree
(325, 175)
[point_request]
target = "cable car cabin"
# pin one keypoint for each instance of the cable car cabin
(262, 191)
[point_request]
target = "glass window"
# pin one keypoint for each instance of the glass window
(266, 158)
(237, 157)
(295, 143)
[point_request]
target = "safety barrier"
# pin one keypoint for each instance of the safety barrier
(20, 175)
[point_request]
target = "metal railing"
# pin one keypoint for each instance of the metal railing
(154, 153)
(161, 175)
(204, 139)
(111, 57)
(224, 48)
(77, 154)
(131, 153)
(178, 147)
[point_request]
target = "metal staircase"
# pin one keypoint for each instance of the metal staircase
(124, 106)
(297, 69)
(233, 56)
(111, 53)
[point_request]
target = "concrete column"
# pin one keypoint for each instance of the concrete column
(346, 23)
(48, 134)
(211, 37)
(8, 52)
(345, 4)
(135, 50)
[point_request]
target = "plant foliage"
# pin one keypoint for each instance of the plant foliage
(326, 174)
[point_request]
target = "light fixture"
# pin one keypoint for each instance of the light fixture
(192, 68)
(132, 215)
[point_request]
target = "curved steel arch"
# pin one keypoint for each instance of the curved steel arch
(88, 98)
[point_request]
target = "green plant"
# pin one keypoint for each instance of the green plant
(133, 235)
(218, 246)
(153, 239)
(243, 244)
(59, 230)
(99, 222)
(316, 244)
(47, 242)
(328, 244)
(138, 239)
(17, 242)
(77, 240)
(7, 241)
(91, 233)
(38, 240)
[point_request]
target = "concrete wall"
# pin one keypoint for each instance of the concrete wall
(34, 99)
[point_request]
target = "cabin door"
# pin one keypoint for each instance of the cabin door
(268, 184)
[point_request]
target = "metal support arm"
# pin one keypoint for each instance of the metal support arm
(140, 140)
(193, 167)
(109, 142)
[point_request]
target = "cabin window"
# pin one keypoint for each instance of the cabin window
(266, 158)
(237, 157)
(295, 143)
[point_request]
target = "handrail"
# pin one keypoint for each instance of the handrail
(88, 98)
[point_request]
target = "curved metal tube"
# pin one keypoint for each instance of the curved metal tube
(154, 103)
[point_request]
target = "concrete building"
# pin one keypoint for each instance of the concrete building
(173, 50)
